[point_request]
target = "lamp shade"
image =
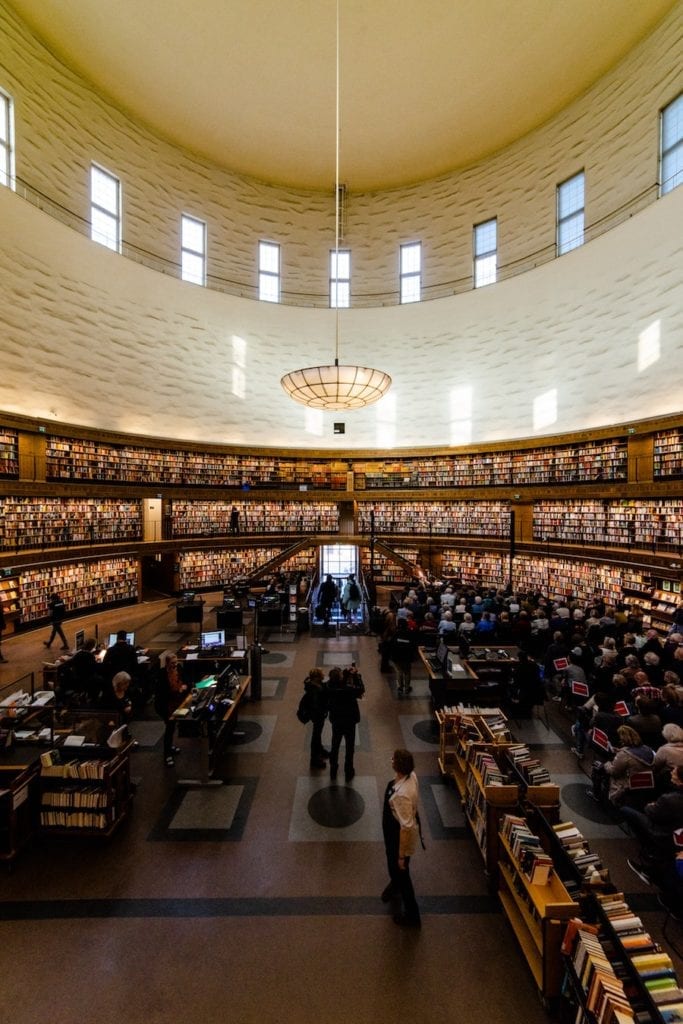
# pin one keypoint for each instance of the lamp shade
(336, 387)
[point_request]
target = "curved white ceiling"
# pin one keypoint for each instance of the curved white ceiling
(425, 88)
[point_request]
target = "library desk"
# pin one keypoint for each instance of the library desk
(496, 666)
(19, 774)
(211, 727)
(198, 664)
(461, 684)
(189, 611)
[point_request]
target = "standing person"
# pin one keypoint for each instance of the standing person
(171, 692)
(57, 614)
(327, 595)
(344, 691)
(234, 520)
(401, 654)
(351, 598)
(316, 693)
(400, 825)
(2, 629)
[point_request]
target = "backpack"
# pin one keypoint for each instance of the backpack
(354, 592)
(303, 712)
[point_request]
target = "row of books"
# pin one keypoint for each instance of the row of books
(52, 766)
(604, 992)
(647, 959)
(529, 767)
(526, 849)
(588, 865)
(74, 798)
(488, 768)
(73, 819)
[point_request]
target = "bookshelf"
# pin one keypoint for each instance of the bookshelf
(666, 600)
(387, 570)
(537, 913)
(211, 518)
(86, 460)
(82, 584)
(668, 454)
(58, 522)
(9, 453)
(218, 567)
(437, 518)
(643, 523)
(9, 594)
(562, 578)
(583, 462)
(489, 795)
(474, 568)
(84, 791)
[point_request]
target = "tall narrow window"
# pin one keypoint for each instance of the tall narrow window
(193, 250)
(570, 213)
(411, 272)
(485, 253)
(105, 208)
(671, 158)
(340, 279)
(269, 272)
(6, 141)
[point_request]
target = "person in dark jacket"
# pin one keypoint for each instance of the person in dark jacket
(57, 614)
(654, 827)
(401, 654)
(345, 688)
(120, 657)
(327, 595)
(316, 693)
(171, 691)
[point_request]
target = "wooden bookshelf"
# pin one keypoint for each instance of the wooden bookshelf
(666, 600)
(642, 523)
(58, 522)
(9, 453)
(486, 802)
(211, 518)
(82, 584)
(668, 454)
(10, 589)
(474, 568)
(437, 518)
(537, 915)
(217, 567)
(88, 794)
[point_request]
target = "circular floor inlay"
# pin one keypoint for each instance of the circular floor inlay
(426, 731)
(274, 659)
(336, 806)
(250, 730)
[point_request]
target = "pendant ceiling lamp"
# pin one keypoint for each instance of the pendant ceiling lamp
(336, 386)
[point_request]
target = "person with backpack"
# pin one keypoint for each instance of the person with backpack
(328, 593)
(313, 708)
(345, 690)
(352, 599)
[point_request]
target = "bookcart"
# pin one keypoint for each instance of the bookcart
(614, 970)
(488, 796)
(537, 913)
(84, 790)
(461, 726)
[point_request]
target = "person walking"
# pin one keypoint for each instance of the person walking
(401, 829)
(57, 613)
(316, 697)
(401, 657)
(345, 689)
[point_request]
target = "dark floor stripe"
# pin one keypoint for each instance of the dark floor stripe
(46, 910)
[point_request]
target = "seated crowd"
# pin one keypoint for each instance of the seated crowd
(621, 683)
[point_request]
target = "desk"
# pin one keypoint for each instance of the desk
(189, 611)
(462, 684)
(211, 729)
(496, 666)
(198, 664)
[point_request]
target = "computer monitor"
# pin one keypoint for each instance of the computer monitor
(130, 638)
(214, 638)
(79, 639)
(442, 655)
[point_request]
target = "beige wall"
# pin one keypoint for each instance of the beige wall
(591, 339)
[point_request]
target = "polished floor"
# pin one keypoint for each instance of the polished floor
(258, 900)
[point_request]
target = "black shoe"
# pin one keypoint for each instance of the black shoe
(319, 763)
(591, 794)
(46, 643)
(388, 892)
(324, 753)
(639, 870)
(350, 774)
(333, 773)
(3, 658)
(407, 922)
(175, 750)
(170, 762)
